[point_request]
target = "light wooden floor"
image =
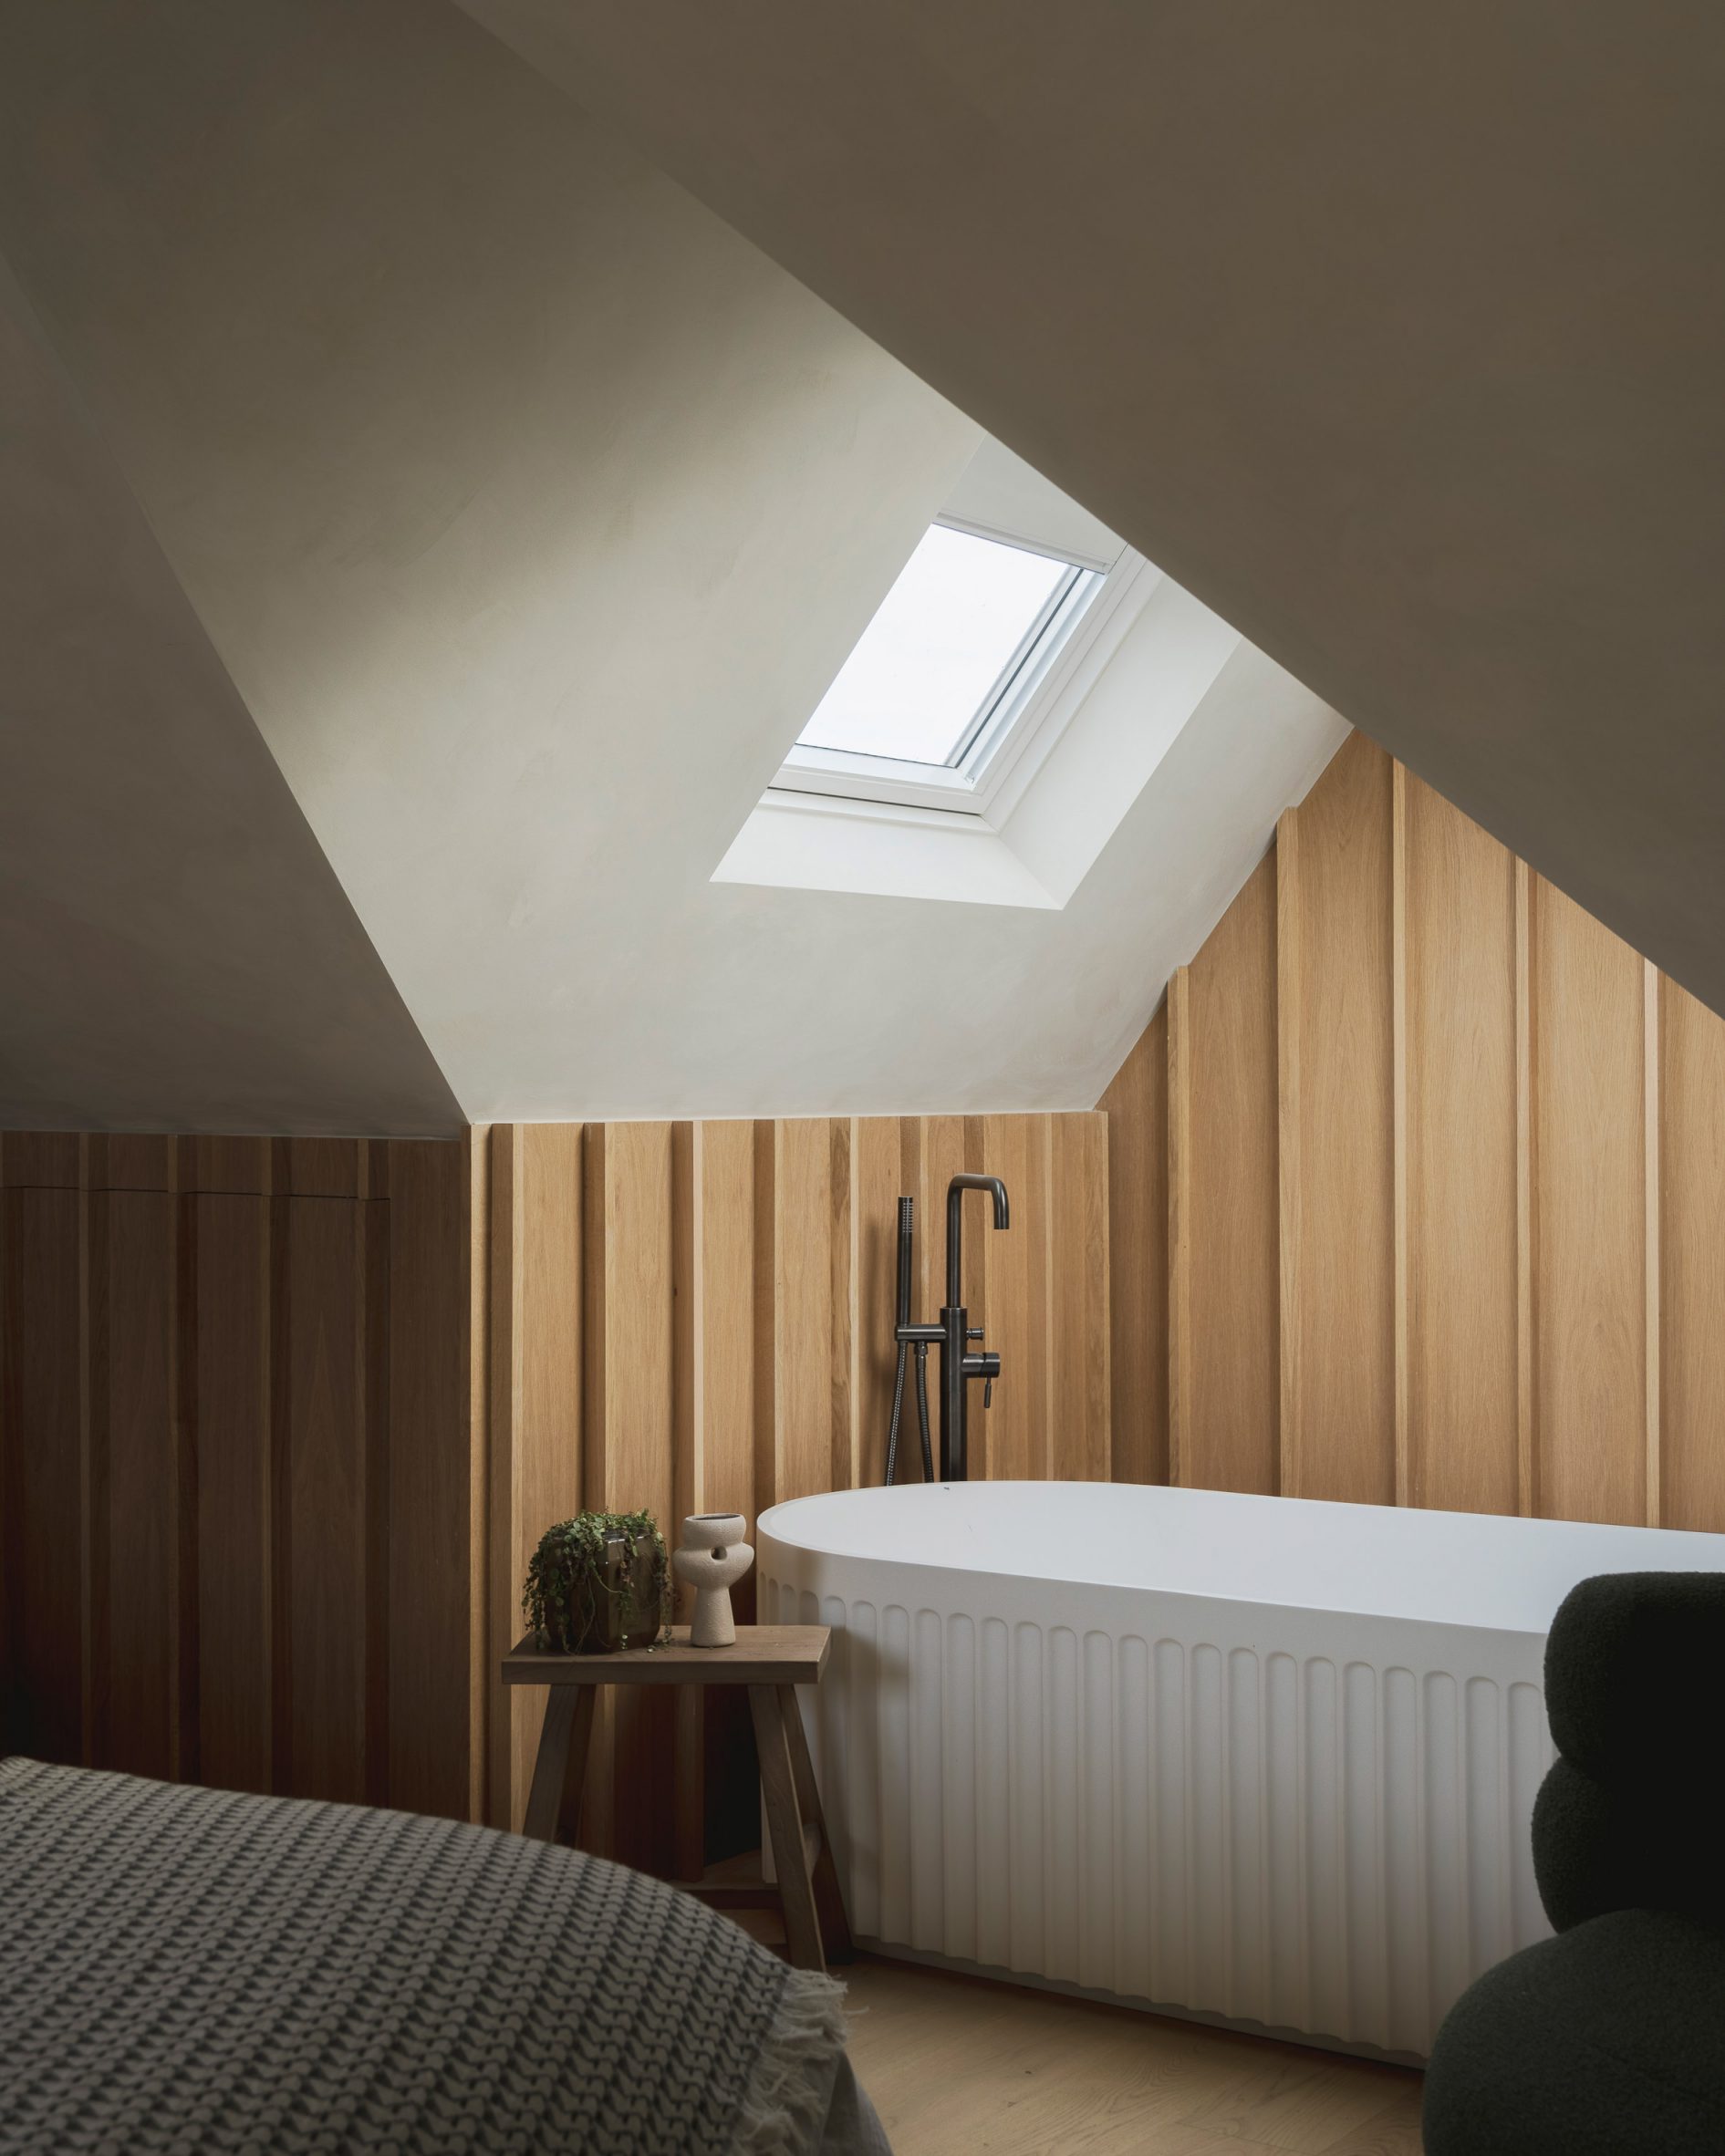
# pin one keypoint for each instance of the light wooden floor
(960, 2066)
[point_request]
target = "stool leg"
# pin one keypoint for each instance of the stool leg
(568, 1723)
(790, 1858)
(829, 1900)
(587, 1699)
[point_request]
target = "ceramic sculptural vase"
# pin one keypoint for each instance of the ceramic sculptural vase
(713, 1557)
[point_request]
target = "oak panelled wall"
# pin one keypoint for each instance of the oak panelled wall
(698, 1316)
(1413, 1191)
(237, 1487)
(281, 1420)
(1420, 1172)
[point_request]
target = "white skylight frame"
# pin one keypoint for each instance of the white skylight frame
(1017, 725)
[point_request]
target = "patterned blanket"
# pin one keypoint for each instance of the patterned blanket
(187, 1969)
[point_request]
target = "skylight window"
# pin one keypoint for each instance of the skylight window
(976, 659)
(965, 622)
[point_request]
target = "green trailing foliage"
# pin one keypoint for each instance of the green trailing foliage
(581, 1589)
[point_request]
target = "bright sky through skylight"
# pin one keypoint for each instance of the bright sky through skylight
(943, 634)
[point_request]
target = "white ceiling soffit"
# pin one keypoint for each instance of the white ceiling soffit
(997, 491)
(1395, 335)
(175, 952)
(531, 510)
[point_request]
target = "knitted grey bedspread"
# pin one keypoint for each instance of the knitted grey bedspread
(186, 1969)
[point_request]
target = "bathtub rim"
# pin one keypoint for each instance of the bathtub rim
(776, 1551)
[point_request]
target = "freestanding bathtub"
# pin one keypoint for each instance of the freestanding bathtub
(1256, 1757)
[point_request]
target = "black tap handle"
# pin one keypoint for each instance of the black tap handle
(988, 1390)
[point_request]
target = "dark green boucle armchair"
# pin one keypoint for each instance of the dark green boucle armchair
(1609, 2039)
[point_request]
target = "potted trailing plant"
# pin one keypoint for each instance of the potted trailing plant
(597, 1583)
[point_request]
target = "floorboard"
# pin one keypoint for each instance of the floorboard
(960, 2066)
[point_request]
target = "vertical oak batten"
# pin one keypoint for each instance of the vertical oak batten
(1526, 1219)
(1179, 1227)
(1223, 1120)
(1335, 1134)
(1456, 1174)
(1290, 1466)
(1691, 1226)
(1650, 1232)
(1400, 1286)
(629, 1448)
(1135, 1105)
(1590, 1217)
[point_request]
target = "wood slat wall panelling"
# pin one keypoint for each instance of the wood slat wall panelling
(1691, 1261)
(1401, 1235)
(841, 1272)
(136, 1560)
(539, 1195)
(1015, 1311)
(1499, 1187)
(811, 1343)
(628, 1449)
(375, 1405)
(94, 1504)
(712, 1167)
(239, 1167)
(508, 1760)
(1526, 1216)
(686, 1358)
(41, 1459)
(727, 1373)
(764, 1240)
(1225, 1260)
(228, 1350)
(1650, 1237)
(878, 1180)
(1589, 1200)
(688, 1826)
(41, 1160)
(248, 1553)
(331, 1293)
(125, 1161)
(718, 1812)
(738, 1285)
(476, 1160)
(1135, 1105)
(1079, 1317)
(951, 1144)
(428, 1501)
(1178, 1007)
(1458, 1170)
(1334, 1022)
(1290, 1234)
(321, 1167)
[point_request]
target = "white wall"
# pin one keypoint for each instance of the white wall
(1394, 333)
(531, 512)
(175, 952)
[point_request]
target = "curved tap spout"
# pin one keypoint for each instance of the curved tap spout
(955, 1191)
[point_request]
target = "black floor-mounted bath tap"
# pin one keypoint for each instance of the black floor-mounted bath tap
(952, 1336)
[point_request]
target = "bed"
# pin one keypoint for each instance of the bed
(186, 1969)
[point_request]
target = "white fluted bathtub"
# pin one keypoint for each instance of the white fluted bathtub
(1257, 1758)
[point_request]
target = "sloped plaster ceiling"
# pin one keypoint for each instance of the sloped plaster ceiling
(531, 510)
(175, 952)
(1396, 334)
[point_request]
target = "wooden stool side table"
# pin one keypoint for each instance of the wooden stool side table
(771, 1661)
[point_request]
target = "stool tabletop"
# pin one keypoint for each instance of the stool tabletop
(762, 1654)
